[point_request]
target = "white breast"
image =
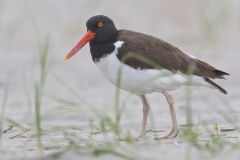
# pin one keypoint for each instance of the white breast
(139, 81)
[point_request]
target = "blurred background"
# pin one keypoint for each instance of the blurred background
(210, 30)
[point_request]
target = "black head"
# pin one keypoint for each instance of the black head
(101, 33)
(104, 29)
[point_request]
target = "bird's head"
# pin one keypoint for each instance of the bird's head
(100, 30)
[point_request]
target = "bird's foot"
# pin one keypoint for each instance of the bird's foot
(172, 134)
(140, 138)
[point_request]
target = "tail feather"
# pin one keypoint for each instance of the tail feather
(209, 72)
(216, 85)
(220, 74)
(205, 70)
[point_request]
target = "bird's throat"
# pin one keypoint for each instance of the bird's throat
(99, 51)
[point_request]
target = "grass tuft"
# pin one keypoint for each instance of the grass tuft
(3, 107)
(39, 89)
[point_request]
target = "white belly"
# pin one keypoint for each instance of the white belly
(140, 81)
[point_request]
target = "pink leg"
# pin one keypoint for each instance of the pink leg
(174, 132)
(145, 116)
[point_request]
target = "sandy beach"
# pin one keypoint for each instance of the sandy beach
(77, 99)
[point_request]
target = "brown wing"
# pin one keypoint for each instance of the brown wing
(147, 52)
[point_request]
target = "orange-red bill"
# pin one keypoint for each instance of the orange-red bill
(88, 37)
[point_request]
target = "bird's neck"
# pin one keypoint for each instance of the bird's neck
(99, 51)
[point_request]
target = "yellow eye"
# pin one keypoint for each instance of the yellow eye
(100, 24)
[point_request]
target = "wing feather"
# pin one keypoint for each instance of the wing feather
(143, 51)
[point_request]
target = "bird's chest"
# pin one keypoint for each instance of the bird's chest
(112, 68)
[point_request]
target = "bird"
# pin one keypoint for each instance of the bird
(142, 64)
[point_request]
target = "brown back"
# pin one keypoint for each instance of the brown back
(159, 54)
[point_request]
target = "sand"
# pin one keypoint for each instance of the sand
(208, 30)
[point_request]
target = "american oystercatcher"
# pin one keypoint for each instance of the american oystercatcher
(142, 64)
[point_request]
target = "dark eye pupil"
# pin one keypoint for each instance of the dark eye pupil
(100, 24)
